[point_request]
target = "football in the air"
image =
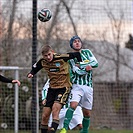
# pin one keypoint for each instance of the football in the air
(44, 15)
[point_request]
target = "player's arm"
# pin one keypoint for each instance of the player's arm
(35, 68)
(68, 56)
(5, 80)
(45, 89)
(44, 92)
(73, 55)
(92, 61)
(44, 95)
(76, 69)
(79, 71)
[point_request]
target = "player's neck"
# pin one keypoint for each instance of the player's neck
(77, 50)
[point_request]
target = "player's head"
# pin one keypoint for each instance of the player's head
(47, 53)
(76, 43)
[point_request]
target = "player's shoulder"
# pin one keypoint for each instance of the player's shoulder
(56, 56)
(41, 60)
(85, 50)
(38, 62)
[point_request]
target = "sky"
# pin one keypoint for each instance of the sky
(89, 13)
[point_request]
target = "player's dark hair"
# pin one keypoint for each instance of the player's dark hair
(72, 40)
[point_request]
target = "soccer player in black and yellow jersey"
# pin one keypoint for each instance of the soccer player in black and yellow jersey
(57, 69)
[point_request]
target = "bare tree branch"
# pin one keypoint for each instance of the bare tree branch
(54, 21)
(69, 14)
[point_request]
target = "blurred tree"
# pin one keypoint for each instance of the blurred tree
(129, 43)
(9, 36)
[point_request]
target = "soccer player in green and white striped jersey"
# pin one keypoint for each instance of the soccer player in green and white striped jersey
(82, 86)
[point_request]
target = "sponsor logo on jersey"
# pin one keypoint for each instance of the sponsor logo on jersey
(54, 69)
(86, 61)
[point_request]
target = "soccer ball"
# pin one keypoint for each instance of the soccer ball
(44, 15)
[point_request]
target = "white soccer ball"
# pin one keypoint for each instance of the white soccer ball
(44, 15)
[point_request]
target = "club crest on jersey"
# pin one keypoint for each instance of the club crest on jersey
(57, 64)
(86, 61)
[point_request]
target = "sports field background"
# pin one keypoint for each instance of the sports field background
(104, 26)
(91, 131)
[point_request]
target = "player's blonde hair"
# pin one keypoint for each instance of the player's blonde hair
(46, 48)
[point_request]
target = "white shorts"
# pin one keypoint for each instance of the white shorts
(83, 95)
(77, 118)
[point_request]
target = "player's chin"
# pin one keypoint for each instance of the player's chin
(49, 60)
(77, 48)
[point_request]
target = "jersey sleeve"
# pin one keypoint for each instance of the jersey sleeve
(92, 61)
(75, 55)
(68, 56)
(5, 80)
(36, 67)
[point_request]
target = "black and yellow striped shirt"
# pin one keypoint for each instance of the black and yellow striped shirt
(57, 69)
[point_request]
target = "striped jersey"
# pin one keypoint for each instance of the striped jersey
(79, 75)
(57, 70)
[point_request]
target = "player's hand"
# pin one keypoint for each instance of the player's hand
(30, 75)
(44, 102)
(88, 68)
(16, 81)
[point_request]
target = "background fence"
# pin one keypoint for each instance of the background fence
(112, 103)
(105, 27)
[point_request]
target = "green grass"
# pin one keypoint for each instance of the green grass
(109, 131)
(102, 131)
(77, 131)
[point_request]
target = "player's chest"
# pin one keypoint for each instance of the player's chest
(54, 66)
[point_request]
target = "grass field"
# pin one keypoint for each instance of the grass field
(102, 131)
(77, 131)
